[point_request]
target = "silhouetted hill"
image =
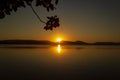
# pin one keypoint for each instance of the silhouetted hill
(45, 42)
(106, 43)
(74, 43)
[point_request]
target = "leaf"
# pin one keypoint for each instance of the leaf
(7, 12)
(51, 7)
(48, 9)
(49, 17)
(38, 3)
(21, 3)
(56, 2)
(15, 8)
(28, 2)
(2, 15)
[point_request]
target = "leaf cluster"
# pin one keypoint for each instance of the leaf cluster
(7, 6)
(52, 22)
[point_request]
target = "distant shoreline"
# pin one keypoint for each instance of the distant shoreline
(45, 42)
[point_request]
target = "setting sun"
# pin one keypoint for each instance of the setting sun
(59, 40)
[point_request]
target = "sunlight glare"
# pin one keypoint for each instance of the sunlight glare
(59, 40)
(59, 49)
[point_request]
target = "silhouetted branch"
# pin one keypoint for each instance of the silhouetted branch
(37, 14)
(8, 6)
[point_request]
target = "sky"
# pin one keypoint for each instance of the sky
(84, 20)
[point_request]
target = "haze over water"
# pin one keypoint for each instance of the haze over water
(60, 63)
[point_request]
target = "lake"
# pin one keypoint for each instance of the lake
(59, 62)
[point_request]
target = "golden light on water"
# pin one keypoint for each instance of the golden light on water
(59, 39)
(59, 48)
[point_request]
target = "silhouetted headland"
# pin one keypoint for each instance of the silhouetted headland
(106, 43)
(45, 42)
(74, 43)
(20, 42)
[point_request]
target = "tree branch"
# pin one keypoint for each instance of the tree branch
(37, 14)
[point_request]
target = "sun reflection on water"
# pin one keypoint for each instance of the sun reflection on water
(59, 49)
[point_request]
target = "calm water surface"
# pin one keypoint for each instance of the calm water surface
(59, 62)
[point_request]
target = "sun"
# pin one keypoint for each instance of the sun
(59, 39)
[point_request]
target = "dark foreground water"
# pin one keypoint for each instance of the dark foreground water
(60, 63)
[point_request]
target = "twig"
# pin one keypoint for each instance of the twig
(37, 14)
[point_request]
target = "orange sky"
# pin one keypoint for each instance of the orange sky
(83, 20)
